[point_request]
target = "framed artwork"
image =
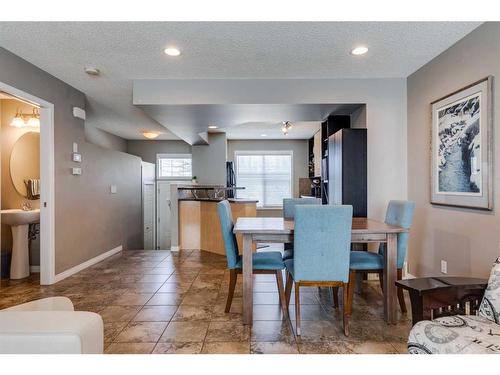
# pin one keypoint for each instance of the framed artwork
(462, 147)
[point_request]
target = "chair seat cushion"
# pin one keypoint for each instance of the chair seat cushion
(463, 334)
(268, 260)
(289, 267)
(366, 260)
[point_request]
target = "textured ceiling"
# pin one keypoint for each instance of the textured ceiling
(126, 51)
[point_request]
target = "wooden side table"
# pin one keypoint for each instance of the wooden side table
(432, 297)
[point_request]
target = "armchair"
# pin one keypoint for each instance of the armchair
(50, 326)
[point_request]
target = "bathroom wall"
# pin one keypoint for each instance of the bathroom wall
(10, 197)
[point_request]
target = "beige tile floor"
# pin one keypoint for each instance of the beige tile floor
(163, 302)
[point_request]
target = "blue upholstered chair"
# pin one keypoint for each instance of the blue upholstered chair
(270, 262)
(289, 205)
(322, 243)
(398, 213)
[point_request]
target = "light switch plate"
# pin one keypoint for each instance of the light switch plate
(76, 171)
(113, 189)
(75, 147)
(77, 157)
(444, 266)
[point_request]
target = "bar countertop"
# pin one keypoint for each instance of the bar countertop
(231, 200)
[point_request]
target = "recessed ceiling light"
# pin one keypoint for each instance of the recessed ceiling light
(212, 126)
(263, 135)
(172, 51)
(150, 135)
(361, 50)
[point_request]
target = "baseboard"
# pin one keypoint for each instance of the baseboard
(174, 248)
(88, 263)
(35, 269)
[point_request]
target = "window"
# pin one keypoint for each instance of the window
(266, 176)
(174, 166)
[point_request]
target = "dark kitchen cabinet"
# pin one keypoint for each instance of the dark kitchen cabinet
(347, 169)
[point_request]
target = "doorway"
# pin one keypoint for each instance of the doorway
(45, 114)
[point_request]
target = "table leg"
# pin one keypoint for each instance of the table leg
(417, 307)
(247, 279)
(390, 257)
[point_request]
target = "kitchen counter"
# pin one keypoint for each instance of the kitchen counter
(199, 226)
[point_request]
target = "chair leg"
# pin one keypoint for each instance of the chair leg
(381, 279)
(233, 275)
(288, 289)
(401, 297)
(345, 308)
(281, 292)
(297, 309)
(335, 291)
(350, 289)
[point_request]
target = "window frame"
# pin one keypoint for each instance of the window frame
(173, 156)
(266, 152)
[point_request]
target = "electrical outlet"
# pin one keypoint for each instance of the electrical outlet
(113, 189)
(76, 171)
(444, 266)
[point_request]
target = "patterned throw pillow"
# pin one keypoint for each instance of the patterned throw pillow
(490, 305)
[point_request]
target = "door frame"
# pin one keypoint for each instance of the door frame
(144, 183)
(47, 182)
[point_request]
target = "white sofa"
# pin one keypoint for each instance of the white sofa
(463, 334)
(50, 326)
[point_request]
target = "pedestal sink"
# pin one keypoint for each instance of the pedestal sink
(19, 221)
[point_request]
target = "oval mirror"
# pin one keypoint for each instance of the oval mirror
(25, 161)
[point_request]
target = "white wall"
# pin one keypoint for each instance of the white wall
(385, 101)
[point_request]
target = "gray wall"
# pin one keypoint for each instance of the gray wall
(209, 161)
(89, 221)
(467, 239)
(104, 139)
(147, 150)
(299, 148)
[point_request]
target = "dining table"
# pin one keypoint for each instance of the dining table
(279, 230)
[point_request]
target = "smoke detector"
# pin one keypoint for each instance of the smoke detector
(92, 71)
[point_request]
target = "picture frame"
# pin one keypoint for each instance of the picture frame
(462, 147)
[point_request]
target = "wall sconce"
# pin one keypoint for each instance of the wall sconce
(22, 120)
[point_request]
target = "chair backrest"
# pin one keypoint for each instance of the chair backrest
(399, 213)
(289, 205)
(226, 224)
(322, 242)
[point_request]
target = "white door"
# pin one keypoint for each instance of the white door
(163, 209)
(148, 209)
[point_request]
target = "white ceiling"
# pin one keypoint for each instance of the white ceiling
(125, 51)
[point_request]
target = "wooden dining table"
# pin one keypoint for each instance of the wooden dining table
(278, 230)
